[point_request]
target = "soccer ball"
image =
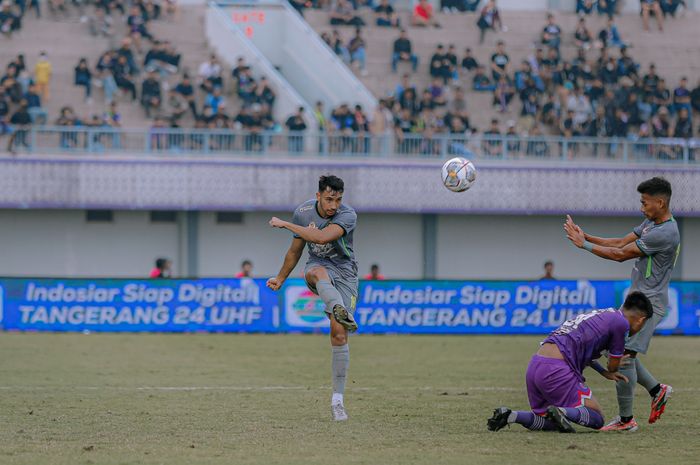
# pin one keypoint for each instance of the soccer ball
(458, 174)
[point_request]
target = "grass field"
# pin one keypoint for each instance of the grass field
(264, 399)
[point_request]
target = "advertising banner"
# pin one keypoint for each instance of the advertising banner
(382, 307)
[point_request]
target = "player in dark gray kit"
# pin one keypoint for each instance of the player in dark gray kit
(656, 245)
(327, 226)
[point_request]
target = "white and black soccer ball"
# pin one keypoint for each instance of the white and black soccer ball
(458, 174)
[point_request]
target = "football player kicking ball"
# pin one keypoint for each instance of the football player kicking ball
(554, 379)
(327, 226)
(655, 244)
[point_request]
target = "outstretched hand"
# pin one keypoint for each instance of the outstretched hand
(573, 232)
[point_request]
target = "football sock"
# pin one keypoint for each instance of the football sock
(584, 416)
(646, 379)
(330, 295)
(532, 421)
(625, 391)
(339, 369)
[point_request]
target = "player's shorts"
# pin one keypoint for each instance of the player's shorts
(346, 286)
(640, 341)
(551, 381)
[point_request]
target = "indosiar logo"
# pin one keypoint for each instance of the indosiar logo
(304, 308)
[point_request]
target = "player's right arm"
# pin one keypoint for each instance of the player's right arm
(290, 261)
(616, 242)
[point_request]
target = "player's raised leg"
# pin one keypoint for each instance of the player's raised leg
(317, 277)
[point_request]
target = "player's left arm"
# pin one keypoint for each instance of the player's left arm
(330, 233)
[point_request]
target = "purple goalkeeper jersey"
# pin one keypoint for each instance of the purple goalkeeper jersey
(583, 338)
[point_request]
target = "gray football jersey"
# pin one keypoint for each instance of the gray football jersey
(340, 253)
(661, 244)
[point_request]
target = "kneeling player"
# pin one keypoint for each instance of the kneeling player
(554, 378)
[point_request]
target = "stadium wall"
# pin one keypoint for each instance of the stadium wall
(63, 243)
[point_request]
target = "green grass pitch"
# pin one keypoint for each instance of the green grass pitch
(264, 399)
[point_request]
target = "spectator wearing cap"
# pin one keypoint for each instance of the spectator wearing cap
(386, 15)
(403, 51)
(423, 15)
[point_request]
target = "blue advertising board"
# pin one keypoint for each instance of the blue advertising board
(247, 305)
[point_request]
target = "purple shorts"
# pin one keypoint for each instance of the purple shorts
(551, 381)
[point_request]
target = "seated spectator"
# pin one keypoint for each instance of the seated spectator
(300, 5)
(112, 117)
(650, 81)
(610, 36)
(438, 93)
(100, 23)
(185, 89)
(492, 143)
(83, 77)
(683, 128)
(681, 96)
(581, 107)
(441, 65)
(137, 27)
(38, 113)
(584, 7)
(582, 36)
(104, 69)
(9, 21)
(468, 61)
(670, 7)
(264, 93)
(661, 124)
(403, 52)
(296, 124)
(176, 106)
(626, 66)
(489, 18)
(451, 63)
(343, 15)
(386, 15)
(529, 112)
(216, 101)
(162, 59)
(695, 98)
(551, 33)
(238, 69)
(356, 48)
(246, 87)
(500, 62)
(536, 146)
(150, 93)
(662, 96)
(404, 85)
(123, 76)
(481, 81)
(339, 48)
(607, 7)
(649, 6)
(125, 51)
(210, 74)
(423, 15)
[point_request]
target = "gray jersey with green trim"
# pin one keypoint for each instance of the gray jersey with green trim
(340, 253)
(661, 244)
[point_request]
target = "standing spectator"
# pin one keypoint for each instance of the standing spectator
(360, 125)
(548, 271)
(489, 18)
(500, 62)
(162, 269)
(21, 121)
(246, 270)
(386, 15)
(42, 75)
(681, 96)
(469, 63)
(492, 143)
(296, 125)
(423, 15)
(650, 81)
(662, 96)
(356, 47)
(403, 52)
(647, 7)
(374, 273)
(83, 77)
(551, 33)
